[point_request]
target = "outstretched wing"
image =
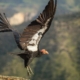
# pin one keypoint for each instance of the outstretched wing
(33, 33)
(6, 27)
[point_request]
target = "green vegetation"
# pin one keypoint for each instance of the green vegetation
(63, 43)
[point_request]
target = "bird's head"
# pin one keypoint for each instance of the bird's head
(43, 51)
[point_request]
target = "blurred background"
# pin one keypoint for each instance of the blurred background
(62, 40)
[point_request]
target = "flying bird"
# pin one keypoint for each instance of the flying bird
(30, 38)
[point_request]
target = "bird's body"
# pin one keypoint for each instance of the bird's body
(30, 38)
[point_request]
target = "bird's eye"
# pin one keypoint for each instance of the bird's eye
(40, 33)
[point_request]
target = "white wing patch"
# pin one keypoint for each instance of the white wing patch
(33, 44)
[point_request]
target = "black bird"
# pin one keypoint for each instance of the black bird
(30, 38)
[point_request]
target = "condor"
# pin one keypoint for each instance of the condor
(32, 34)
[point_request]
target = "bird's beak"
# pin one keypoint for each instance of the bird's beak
(46, 52)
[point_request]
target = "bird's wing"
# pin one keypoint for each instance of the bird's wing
(4, 24)
(6, 27)
(33, 33)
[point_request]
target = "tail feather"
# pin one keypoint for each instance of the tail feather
(4, 24)
(26, 62)
(26, 57)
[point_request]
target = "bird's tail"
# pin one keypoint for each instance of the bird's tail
(27, 60)
(4, 24)
(25, 57)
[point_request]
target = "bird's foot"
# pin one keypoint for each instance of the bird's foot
(29, 71)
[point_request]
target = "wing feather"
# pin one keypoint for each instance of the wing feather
(34, 32)
(6, 27)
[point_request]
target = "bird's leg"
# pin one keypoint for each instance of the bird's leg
(29, 70)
